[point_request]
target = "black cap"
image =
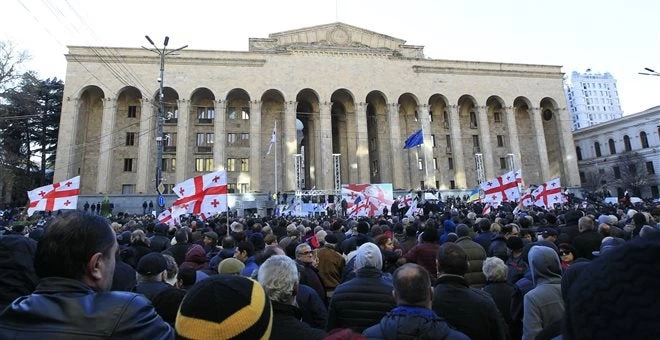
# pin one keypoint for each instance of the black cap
(152, 264)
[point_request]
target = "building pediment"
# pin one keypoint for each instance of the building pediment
(337, 37)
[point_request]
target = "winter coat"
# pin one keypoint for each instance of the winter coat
(331, 265)
(362, 301)
(476, 257)
(287, 324)
(471, 311)
(67, 309)
(405, 322)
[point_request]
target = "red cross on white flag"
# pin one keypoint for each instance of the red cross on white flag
(548, 194)
(205, 194)
(56, 196)
(503, 188)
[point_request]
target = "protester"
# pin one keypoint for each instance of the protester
(471, 311)
(413, 317)
(279, 278)
(75, 262)
(364, 300)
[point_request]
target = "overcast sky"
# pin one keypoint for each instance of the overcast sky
(616, 36)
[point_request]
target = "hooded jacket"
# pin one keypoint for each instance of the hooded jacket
(412, 323)
(364, 300)
(543, 305)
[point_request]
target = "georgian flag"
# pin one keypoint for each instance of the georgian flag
(56, 196)
(406, 201)
(205, 194)
(525, 201)
(548, 194)
(503, 188)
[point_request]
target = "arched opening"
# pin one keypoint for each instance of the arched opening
(553, 138)
(409, 122)
(307, 135)
(612, 146)
(644, 140)
(87, 141)
(626, 143)
(343, 120)
(237, 127)
(128, 119)
(578, 152)
(377, 135)
(527, 140)
(597, 149)
(471, 139)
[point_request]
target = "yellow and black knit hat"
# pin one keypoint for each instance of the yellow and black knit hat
(225, 307)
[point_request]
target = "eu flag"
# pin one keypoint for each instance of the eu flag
(415, 139)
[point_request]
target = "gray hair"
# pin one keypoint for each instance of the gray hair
(368, 255)
(586, 223)
(300, 247)
(495, 269)
(278, 275)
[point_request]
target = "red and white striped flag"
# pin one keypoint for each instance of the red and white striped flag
(56, 196)
(205, 194)
(548, 194)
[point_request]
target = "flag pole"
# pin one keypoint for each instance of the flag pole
(426, 165)
(276, 194)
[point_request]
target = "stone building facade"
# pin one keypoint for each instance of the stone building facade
(621, 155)
(331, 89)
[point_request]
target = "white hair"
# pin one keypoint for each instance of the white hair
(495, 269)
(278, 275)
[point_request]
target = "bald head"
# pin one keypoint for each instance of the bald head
(412, 286)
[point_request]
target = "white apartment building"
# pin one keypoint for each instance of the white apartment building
(592, 98)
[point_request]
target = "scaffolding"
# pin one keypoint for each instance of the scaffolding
(479, 160)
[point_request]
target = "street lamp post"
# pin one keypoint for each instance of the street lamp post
(161, 109)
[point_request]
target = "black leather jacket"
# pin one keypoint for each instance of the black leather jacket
(68, 309)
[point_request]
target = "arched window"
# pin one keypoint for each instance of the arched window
(644, 140)
(626, 143)
(578, 151)
(597, 149)
(612, 147)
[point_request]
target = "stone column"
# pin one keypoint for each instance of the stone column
(146, 149)
(457, 146)
(255, 145)
(104, 173)
(326, 177)
(66, 141)
(544, 167)
(571, 173)
(514, 143)
(427, 147)
(184, 168)
(290, 145)
(362, 141)
(396, 146)
(484, 139)
(219, 135)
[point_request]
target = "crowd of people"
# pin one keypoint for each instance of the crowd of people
(450, 273)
